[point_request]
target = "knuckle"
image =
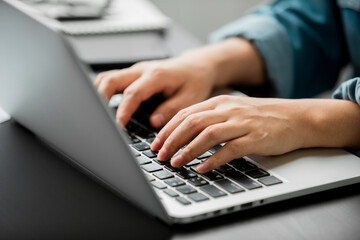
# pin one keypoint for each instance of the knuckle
(232, 109)
(157, 71)
(109, 82)
(182, 114)
(192, 121)
(130, 92)
(221, 98)
(211, 132)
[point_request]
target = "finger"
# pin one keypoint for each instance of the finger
(101, 76)
(179, 118)
(211, 136)
(234, 149)
(116, 82)
(187, 130)
(139, 91)
(169, 108)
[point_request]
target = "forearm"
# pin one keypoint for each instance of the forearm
(234, 61)
(328, 123)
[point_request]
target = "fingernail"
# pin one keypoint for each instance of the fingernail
(155, 145)
(203, 167)
(158, 120)
(177, 161)
(162, 154)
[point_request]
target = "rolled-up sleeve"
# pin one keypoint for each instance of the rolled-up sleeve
(349, 90)
(300, 42)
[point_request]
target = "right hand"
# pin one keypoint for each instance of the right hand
(183, 81)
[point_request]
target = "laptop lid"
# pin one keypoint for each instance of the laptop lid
(46, 89)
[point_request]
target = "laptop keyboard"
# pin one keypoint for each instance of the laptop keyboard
(187, 186)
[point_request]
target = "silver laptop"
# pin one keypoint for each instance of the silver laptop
(44, 87)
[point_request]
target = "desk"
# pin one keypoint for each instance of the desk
(43, 197)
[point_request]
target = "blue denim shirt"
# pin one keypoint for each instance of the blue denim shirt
(304, 44)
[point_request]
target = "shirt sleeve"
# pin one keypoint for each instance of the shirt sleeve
(349, 90)
(300, 41)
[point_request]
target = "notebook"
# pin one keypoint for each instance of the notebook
(120, 16)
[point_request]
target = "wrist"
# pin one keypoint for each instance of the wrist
(234, 61)
(328, 123)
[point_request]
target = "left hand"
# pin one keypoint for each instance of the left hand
(246, 126)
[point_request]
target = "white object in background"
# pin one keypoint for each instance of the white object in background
(3, 116)
(122, 16)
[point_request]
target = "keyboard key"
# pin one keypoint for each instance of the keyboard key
(257, 173)
(171, 192)
(173, 169)
(213, 191)
(198, 181)
(186, 174)
(212, 176)
(136, 153)
(205, 155)
(186, 189)
(183, 200)
(215, 148)
(150, 154)
(158, 185)
(143, 160)
(161, 162)
(243, 180)
(163, 174)
(237, 161)
(242, 165)
(144, 133)
(141, 146)
(150, 140)
(151, 167)
(224, 169)
(229, 186)
(270, 180)
(198, 197)
(193, 162)
(132, 127)
(174, 182)
(133, 139)
(150, 178)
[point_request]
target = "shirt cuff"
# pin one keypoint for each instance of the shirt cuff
(349, 90)
(272, 43)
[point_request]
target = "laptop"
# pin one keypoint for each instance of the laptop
(44, 87)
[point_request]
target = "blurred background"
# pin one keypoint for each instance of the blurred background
(201, 17)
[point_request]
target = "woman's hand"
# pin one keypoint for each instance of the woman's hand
(182, 82)
(185, 80)
(255, 126)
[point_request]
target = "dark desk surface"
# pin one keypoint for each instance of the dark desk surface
(43, 197)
